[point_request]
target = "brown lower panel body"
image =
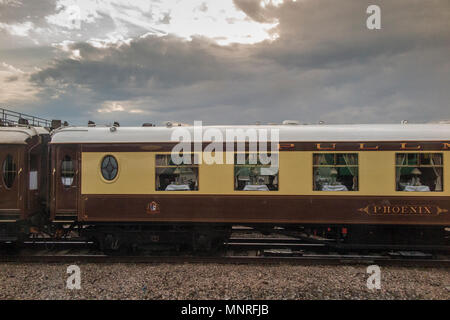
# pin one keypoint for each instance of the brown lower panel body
(11, 215)
(266, 209)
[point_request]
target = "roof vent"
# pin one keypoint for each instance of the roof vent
(91, 123)
(291, 122)
(55, 124)
(116, 124)
(23, 121)
(147, 124)
(170, 124)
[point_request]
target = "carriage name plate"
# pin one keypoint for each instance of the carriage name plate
(408, 209)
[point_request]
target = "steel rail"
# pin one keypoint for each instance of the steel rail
(306, 259)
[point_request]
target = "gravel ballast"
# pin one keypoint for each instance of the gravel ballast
(217, 281)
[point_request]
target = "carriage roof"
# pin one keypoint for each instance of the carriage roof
(291, 133)
(20, 135)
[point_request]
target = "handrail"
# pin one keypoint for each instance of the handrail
(11, 118)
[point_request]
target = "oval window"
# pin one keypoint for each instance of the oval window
(67, 171)
(109, 168)
(9, 171)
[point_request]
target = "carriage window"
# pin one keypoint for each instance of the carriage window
(33, 175)
(173, 177)
(419, 172)
(9, 171)
(335, 171)
(67, 171)
(252, 175)
(109, 168)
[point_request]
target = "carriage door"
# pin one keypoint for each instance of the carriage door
(9, 180)
(66, 181)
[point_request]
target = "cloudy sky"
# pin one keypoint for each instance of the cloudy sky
(225, 61)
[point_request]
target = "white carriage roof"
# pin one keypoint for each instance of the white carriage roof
(19, 135)
(301, 133)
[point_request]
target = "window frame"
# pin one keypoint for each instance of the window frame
(335, 165)
(418, 165)
(188, 165)
(5, 172)
(114, 179)
(257, 165)
(34, 166)
(62, 171)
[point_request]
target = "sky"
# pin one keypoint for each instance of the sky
(225, 61)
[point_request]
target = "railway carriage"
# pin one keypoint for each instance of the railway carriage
(23, 185)
(350, 183)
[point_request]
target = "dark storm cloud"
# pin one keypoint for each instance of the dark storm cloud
(325, 65)
(151, 61)
(253, 9)
(325, 33)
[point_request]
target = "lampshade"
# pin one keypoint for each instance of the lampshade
(177, 170)
(333, 171)
(416, 171)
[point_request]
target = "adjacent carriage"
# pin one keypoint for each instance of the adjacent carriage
(24, 170)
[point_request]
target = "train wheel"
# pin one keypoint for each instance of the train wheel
(111, 244)
(210, 240)
(202, 242)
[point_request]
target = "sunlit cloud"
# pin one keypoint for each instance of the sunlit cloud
(220, 21)
(115, 107)
(18, 29)
(276, 3)
(15, 86)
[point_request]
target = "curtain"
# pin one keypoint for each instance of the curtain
(436, 162)
(158, 184)
(400, 161)
(351, 161)
(315, 179)
(318, 160)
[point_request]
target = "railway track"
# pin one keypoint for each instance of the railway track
(307, 259)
